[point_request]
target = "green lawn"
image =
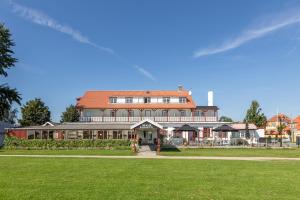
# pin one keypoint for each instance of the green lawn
(68, 152)
(74, 178)
(293, 152)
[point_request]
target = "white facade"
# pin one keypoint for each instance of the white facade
(140, 100)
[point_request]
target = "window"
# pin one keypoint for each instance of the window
(147, 113)
(128, 100)
(131, 135)
(30, 134)
(37, 135)
(165, 113)
(166, 99)
(197, 113)
(51, 135)
(147, 100)
(113, 113)
(102, 135)
(44, 134)
(182, 113)
(113, 99)
(130, 113)
(87, 135)
(206, 132)
(117, 134)
(182, 100)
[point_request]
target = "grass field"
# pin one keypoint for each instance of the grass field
(68, 152)
(290, 153)
(73, 178)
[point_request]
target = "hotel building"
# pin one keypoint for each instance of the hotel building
(133, 114)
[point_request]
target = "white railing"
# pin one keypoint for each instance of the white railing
(156, 119)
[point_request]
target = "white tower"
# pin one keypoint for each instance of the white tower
(210, 98)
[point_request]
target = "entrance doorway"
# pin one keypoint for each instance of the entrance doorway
(147, 137)
(147, 131)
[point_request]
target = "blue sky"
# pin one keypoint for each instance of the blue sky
(242, 50)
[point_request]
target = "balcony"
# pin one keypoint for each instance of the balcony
(156, 119)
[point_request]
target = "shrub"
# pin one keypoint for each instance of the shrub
(17, 143)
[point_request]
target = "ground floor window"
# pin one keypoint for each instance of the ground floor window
(50, 135)
(102, 135)
(87, 135)
(37, 135)
(131, 135)
(117, 134)
(206, 132)
(44, 135)
(30, 135)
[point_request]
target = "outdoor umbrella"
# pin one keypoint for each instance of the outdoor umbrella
(187, 127)
(225, 128)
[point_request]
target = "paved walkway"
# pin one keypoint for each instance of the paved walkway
(158, 157)
(146, 151)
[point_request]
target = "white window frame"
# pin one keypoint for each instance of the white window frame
(182, 99)
(166, 99)
(113, 100)
(128, 100)
(147, 99)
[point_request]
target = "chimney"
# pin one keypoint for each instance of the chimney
(180, 88)
(210, 98)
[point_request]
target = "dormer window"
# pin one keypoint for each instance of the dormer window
(113, 99)
(182, 100)
(128, 100)
(166, 99)
(147, 100)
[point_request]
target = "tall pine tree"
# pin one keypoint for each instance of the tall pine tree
(8, 96)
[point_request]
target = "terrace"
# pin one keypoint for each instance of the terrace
(155, 119)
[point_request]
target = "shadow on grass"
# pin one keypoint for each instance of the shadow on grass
(170, 148)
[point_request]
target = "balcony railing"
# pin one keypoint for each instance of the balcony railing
(156, 119)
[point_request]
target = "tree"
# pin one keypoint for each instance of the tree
(225, 119)
(70, 115)
(34, 113)
(247, 132)
(254, 115)
(280, 129)
(10, 116)
(8, 96)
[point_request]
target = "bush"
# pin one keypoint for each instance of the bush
(17, 143)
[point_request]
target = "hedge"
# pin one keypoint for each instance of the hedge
(17, 143)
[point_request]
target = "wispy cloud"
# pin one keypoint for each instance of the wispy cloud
(145, 72)
(42, 19)
(278, 22)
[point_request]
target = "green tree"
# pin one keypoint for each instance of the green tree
(225, 119)
(10, 116)
(35, 112)
(71, 114)
(254, 115)
(280, 129)
(8, 96)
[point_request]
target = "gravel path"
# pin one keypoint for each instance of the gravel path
(158, 157)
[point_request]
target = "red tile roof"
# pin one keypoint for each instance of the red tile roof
(100, 99)
(297, 121)
(280, 116)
